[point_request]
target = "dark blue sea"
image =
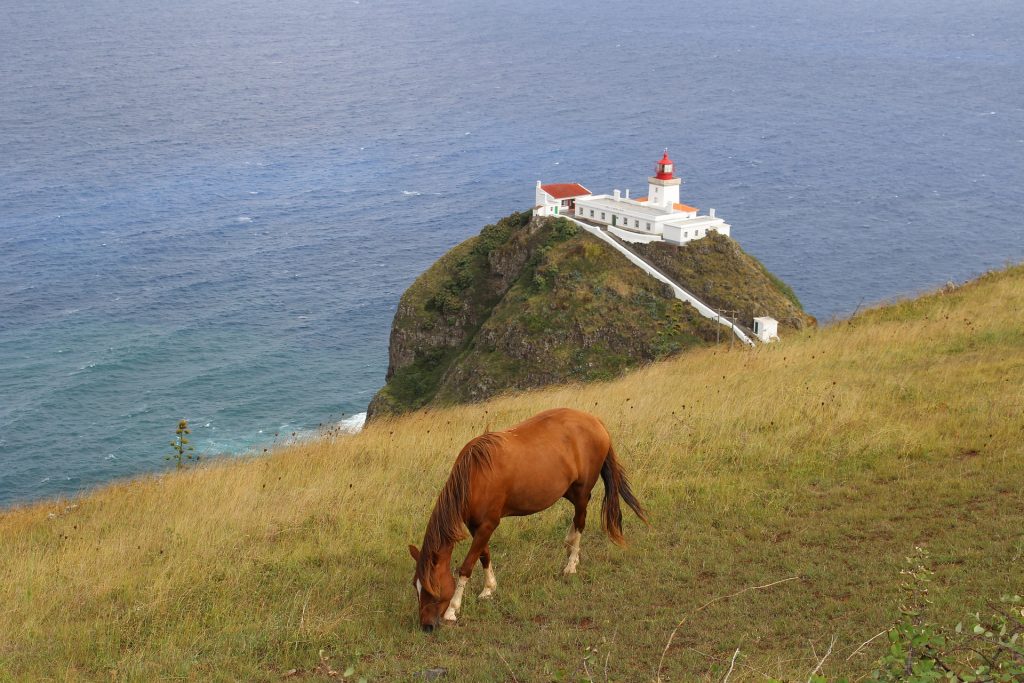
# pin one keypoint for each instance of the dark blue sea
(208, 210)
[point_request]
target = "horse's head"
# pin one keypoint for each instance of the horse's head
(433, 600)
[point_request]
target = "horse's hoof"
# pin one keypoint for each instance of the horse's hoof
(450, 617)
(568, 570)
(486, 594)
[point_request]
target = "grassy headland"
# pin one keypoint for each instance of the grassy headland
(827, 456)
(534, 302)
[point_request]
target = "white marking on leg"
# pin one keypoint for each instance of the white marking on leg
(490, 582)
(452, 613)
(572, 543)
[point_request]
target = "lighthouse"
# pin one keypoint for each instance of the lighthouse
(657, 217)
(663, 186)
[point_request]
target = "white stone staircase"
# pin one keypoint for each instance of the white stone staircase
(652, 270)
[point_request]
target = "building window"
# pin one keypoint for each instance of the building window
(637, 221)
(648, 226)
(602, 215)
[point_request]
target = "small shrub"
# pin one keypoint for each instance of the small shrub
(988, 650)
(183, 450)
(561, 230)
(463, 276)
(445, 303)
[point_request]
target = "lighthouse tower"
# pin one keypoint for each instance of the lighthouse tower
(663, 187)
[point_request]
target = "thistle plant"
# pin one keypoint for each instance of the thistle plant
(183, 450)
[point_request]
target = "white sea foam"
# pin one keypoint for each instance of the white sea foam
(407, 193)
(244, 219)
(353, 424)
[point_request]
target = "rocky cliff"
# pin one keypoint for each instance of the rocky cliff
(530, 302)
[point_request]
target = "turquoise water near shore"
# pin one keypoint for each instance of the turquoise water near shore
(209, 210)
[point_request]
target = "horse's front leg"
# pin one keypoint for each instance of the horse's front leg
(481, 537)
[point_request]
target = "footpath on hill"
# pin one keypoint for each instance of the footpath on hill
(742, 333)
(534, 302)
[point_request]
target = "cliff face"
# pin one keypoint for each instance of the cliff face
(533, 302)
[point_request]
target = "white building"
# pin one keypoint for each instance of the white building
(766, 329)
(554, 199)
(658, 216)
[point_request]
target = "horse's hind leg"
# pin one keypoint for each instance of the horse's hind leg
(490, 582)
(579, 500)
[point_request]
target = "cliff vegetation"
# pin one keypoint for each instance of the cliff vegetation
(529, 303)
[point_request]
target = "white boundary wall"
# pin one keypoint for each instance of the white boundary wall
(634, 237)
(680, 293)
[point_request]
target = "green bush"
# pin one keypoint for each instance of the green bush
(445, 303)
(988, 649)
(561, 230)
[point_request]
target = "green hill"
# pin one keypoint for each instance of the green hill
(528, 303)
(820, 461)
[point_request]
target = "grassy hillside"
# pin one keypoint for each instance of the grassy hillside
(826, 457)
(529, 303)
(723, 276)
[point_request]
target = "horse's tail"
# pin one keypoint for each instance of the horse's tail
(616, 485)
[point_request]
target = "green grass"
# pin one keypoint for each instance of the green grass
(826, 457)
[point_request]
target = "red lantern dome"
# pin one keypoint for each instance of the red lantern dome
(663, 169)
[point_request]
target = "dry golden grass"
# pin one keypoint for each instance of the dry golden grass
(826, 457)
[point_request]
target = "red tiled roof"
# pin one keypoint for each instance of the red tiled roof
(564, 190)
(640, 199)
(683, 207)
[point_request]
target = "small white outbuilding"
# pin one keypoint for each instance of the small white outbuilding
(766, 328)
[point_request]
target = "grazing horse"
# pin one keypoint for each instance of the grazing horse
(525, 469)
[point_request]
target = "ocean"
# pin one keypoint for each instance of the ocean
(209, 210)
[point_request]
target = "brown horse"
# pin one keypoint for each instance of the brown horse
(525, 469)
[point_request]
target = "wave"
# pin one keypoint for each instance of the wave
(353, 424)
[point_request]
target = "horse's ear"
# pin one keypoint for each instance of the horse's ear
(415, 552)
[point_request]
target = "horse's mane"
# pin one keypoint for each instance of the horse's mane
(447, 521)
